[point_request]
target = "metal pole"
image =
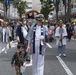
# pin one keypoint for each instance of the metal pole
(65, 12)
(4, 11)
(69, 11)
(57, 11)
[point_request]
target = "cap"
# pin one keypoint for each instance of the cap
(60, 21)
(46, 20)
(39, 17)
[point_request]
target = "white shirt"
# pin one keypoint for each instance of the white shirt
(24, 31)
(38, 32)
(4, 30)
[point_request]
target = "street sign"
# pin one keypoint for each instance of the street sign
(7, 2)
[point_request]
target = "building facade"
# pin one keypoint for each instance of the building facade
(36, 5)
(29, 5)
(1, 11)
(61, 12)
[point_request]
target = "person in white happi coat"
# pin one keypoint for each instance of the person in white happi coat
(36, 44)
(61, 34)
(4, 36)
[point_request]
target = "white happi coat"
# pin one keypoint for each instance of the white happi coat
(2, 33)
(37, 59)
(57, 34)
(3, 39)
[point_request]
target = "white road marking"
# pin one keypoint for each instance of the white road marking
(73, 39)
(29, 64)
(48, 45)
(2, 50)
(64, 66)
(13, 44)
(7, 46)
(62, 63)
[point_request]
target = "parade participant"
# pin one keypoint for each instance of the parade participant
(18, 58)
(61, 34)
(47, 27)
(4, 36)
(36, 44)
(70, 31)
(29, 24)
(21, 31)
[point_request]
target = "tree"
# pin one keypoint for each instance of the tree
(46, 7)
(21, 6)
(56, 3)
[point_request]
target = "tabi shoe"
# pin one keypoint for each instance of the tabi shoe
(64, 55)
(5, 52)
(59, 55)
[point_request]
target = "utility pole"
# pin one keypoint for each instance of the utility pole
(61, 8)
(65, 11)
(57, 8)
(6, 3)
(65, 5)
(5, 10)
(69, 11)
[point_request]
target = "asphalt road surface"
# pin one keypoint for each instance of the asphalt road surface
(54, 65)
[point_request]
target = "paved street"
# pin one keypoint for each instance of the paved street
(54, 65)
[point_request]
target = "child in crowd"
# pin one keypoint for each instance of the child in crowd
(18, 58)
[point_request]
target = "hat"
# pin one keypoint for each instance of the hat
(46, 20)
(60, 21)
(39, 17)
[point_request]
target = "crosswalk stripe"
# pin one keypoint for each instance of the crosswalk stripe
(30, 64)
(48, 45)
(64, 66)
(62, 63)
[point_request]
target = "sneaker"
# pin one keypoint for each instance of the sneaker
(59, 55)
(64, 55)
(5, 52)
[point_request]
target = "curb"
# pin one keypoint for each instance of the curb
(73, 39)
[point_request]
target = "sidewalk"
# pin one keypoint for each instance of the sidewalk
(74, 37)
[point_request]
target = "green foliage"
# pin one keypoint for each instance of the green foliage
(45, 11)
(46, 7)
(21, 6)
(1, 0)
